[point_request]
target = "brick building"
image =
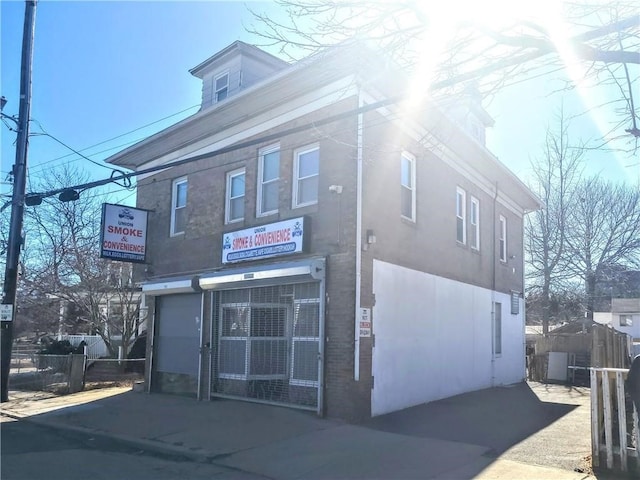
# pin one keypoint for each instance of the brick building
(315, 242)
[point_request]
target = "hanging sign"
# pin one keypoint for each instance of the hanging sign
(124, 233)
(272, 240)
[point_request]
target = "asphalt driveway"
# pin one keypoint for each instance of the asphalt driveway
(534, 423)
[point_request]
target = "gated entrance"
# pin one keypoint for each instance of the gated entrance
(267, 344)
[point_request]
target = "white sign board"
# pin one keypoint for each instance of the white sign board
(272, 240)
(365, 322)
(124, 233)
(6, 312)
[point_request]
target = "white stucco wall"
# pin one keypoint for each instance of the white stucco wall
(603, 317)
(433, 339)
(613, 319)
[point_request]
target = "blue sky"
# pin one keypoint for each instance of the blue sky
(102, 69)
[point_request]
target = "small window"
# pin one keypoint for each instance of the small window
(221, 87)
(306, 173)
(474, 224)
(407, 187)
(268, 184)
(626, 320)
(235, 196)
(503, 238)
(178, 206)
(497, 328)
(461, 212)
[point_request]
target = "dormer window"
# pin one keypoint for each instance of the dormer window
(222, 87)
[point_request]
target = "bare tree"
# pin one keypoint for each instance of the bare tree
(63, 261)
(602, 37)
(556, 175)
(603, 233)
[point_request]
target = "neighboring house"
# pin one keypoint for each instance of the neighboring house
(351, 262)
(119, 310)
(624, 316)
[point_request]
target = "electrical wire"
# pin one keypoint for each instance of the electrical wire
(256, 141)
(115, 138)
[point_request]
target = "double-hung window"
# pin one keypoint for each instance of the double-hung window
(268, 180)
(235, 196)
(474, 224)
(408, 186)
(178, 206)
(461, 212)
(221, 85)
(305, 176)
(503, 238)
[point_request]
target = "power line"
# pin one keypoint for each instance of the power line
(231, 148)
(116, 137)
(45, 133)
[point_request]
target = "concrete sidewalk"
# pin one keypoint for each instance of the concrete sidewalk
(275, 442)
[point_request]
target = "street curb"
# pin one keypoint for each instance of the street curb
(149, 445)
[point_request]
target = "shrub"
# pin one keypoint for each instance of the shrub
(56, 347)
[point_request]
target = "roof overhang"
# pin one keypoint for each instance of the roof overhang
(171, 286)
(299, 271)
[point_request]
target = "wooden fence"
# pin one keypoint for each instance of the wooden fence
(610, 348)
(615, 438)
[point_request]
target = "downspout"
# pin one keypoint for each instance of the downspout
(493, 291)
(524, 303)
(356, 316)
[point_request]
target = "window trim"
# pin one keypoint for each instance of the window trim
(296, 173)
(216, 90)
(502, 237)
(174, 200)
(461, 215)
(227, 197)
(412, 162)
(474, 242)
(261, 154)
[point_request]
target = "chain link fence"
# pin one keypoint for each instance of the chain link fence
(49, 373)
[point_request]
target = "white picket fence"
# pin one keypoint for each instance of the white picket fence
(96, 348)
(611, 445)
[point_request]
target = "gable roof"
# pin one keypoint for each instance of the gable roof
(232, 50)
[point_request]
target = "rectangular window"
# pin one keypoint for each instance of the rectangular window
(268, 184)
(306, 173)
(178, 206)
(461, 213)
(407, 187)
(221, 87)
(503, 238)
(235, 196)
(497, 328)
(474, 224)
(626, 320)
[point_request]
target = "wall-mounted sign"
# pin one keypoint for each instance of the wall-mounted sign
(272, 240)
(365, 322)
(6, 312)
(124, 233)
(515, 302)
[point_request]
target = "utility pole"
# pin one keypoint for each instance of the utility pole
(17, 201)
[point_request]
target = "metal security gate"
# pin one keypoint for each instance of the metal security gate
(268, 344)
